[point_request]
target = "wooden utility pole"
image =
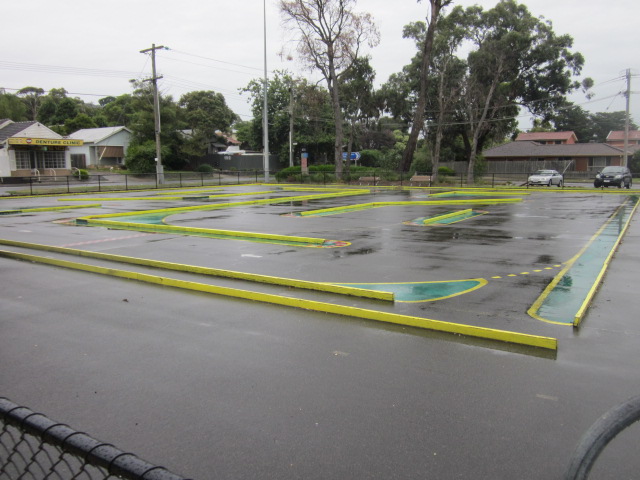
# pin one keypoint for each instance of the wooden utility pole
(156, 109)
(626, 120)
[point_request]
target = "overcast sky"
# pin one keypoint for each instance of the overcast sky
(92, 49)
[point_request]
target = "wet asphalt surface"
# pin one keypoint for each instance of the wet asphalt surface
(213, 387)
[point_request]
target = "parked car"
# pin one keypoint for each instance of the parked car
(618, 176)
(546, 177)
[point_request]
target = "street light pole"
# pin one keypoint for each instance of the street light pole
(265, 114)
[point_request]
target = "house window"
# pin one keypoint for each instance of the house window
(598, 162)
(54, 159)
(23, 160)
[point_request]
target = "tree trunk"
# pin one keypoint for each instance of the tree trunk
(418, 116)
(332, 83)
(435, 161)
(480, 125)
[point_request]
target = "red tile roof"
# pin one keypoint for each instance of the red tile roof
(619, 135)
(536, 136)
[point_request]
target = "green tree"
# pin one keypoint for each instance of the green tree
(572, 118)
(516, 58)
(12, 107)
(421, 101)
(279, 92)
(142, 123)
(141, 157)
(31, 96)
(330, 37)
(312, 116)
(204, 113)
(605, 122)
(79, 122)
(118, 110)
(358, 99)
(634, 162)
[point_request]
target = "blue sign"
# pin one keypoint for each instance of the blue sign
(354, 155)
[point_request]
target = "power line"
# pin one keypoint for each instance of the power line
(65, 70)
(215, 60)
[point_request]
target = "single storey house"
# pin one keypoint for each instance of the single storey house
(32, 149)
(101, 147)
(580, 157)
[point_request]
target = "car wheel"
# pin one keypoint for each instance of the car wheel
(628, 185)
(549, 184)
(596, 184)
(620, 184)
(560, 184)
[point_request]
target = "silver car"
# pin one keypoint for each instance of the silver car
(546, 177)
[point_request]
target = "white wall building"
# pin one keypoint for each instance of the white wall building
(101, 147)
(30, 148)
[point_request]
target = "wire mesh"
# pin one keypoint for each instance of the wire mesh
(34, 447)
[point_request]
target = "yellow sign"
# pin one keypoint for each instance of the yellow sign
(45, 141)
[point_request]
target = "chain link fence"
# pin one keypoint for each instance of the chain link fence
(34, 447)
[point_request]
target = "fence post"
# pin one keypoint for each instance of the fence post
(202, 179)
(493, 180)
(219, 177)
(99, 186)
(68, 188)
(461, 177)
(126, 182)
(257, 176)
(156, 177)
(30, 185)
(180, 177)
(238, 177)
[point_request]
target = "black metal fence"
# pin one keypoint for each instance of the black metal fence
(42, 185)
(105, 182)
(34, 447)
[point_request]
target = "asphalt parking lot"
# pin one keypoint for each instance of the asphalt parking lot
(217, 387)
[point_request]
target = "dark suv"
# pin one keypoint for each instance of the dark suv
(618, 176)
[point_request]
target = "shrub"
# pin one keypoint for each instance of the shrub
(479, 167)
(81, 174)
(421, 161)
(141, 158)
(370, 158)
(205, 168)
(446, 172)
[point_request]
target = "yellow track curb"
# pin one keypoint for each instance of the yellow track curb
(214, 272)
(425, 323)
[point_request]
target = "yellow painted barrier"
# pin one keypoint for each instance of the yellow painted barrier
(216, 206)
(446, 215)
(418, 322)
(214, 272)
(52, 209)
(362, 206)
(344, 208)
(207, 231)
(162, 197)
